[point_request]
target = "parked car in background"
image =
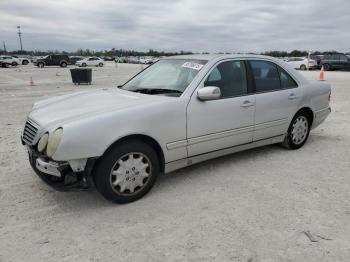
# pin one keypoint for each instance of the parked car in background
(216, 105)
(301, 63)
(336, 62)
(90, 61)
(133, 60)
(74, 59)
(108, 58)
(146, 60)
(121, 59)
(9, 60)
(318, 59)
(53, 60)
(22, 60)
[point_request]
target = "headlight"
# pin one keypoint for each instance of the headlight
(43, 142)
(54, 141)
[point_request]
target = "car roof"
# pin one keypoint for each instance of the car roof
(210, 57)
(214, 58)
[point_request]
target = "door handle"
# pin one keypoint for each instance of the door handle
(292, 96)
(247, 103)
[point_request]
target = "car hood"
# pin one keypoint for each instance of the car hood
(76, 106)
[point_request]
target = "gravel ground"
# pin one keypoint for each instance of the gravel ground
(251, 206)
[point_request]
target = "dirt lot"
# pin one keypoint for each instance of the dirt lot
(251, 206)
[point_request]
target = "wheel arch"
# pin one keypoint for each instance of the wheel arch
(309, 111)
(146, 139)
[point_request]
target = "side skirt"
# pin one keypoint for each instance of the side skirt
(175, 165)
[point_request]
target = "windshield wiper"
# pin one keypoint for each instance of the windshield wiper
(156, 90)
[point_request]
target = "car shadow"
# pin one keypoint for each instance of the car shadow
(91, 199)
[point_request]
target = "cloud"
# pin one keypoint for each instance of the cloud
(213, 26)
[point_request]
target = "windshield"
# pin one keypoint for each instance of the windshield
(166, 76)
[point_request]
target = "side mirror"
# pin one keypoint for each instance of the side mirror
(209, 93)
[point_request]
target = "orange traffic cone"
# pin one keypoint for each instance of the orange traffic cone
(321, 74)
(31, 81)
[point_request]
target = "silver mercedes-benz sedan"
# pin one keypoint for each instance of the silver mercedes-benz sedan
(177, 112)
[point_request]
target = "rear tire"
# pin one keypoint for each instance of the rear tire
(25, 62)
(41, 65)
(63, 64)
(303, 67)
(127, 171)
(298, 131)
(100, 64)
(14, 64)
(83, 64)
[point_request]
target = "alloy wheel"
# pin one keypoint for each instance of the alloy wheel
(130, 173)
(300, 130)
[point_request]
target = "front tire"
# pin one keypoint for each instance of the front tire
(25, 62)
(41, 65)
(83, 64)
(100, 64)
(298, 131)
(127, 171)
(14, 64)
(63, 64)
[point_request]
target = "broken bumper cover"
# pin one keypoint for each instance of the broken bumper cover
(59, 175)
(50, 167)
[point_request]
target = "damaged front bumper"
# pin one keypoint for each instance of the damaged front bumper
(63, 175)
(50, 168)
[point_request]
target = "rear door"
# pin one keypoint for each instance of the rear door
(225, 122)
(337, 63)
(344, 61)
(277, 98)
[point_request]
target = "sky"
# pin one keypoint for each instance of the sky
(191, 25)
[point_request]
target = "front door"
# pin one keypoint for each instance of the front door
(225, 122)
(49, 60)
(91, 61)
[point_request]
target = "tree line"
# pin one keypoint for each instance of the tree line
(112, 52)
(122, 52)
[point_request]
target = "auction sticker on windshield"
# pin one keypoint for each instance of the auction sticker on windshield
(192, 65)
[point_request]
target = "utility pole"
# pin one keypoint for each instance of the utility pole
(20, 36)
(4, 46)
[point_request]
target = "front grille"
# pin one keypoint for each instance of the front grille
(30, 131)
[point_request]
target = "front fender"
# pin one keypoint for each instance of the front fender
(90, 137)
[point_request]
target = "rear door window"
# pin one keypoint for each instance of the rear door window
(266, 76)
(286, 80)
